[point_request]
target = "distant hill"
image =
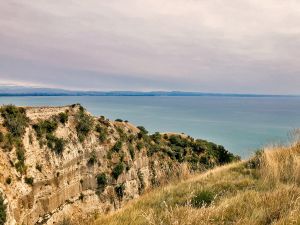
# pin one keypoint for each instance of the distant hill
(37, 91)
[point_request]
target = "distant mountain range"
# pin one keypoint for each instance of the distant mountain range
(36, 91)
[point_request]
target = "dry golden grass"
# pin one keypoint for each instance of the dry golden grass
(267, 193)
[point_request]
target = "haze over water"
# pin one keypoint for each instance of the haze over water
(241, 124)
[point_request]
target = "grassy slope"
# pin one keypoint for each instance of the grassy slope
(264, 190)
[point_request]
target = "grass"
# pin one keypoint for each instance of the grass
(238, 193)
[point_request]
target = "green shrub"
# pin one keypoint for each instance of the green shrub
(44, 130)
(122, 134)
(55, 143)
(142, 129)
(156, 137)
(63, 117)
(20, 167)
(20, 154)
(202, 199)
(45, 127)
(2, 210)
(9, 141)
(102, 133)
(102, 137)
(84, 124)
(131, 151)
(29, 180)
(139, 145)
(117, 146)
(101, 181)
(178, 141)
(15, 119)
(118, 170)
(120, 190)
(153, 149)
(119, 120)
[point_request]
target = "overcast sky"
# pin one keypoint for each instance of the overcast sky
(242, 46)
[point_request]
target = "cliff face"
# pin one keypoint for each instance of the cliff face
(62, 163)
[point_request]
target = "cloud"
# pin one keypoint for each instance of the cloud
(199, 45)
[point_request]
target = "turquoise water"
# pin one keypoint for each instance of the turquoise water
(241, 124)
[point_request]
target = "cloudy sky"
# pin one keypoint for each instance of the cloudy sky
(242, 46)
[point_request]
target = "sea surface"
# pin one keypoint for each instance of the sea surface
(241, 124)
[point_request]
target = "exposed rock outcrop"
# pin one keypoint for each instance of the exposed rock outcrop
(76, 166)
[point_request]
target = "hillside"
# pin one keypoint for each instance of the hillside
(263, 190)
(61, 165)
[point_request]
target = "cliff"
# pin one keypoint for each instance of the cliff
(60, 163)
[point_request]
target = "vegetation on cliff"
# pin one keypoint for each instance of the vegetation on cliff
(261, 191)
(45, 133)
(15, 122)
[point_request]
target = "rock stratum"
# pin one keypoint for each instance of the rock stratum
(61, 163)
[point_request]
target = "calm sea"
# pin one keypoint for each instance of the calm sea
(241, 124)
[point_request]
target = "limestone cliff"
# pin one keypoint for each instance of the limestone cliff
(61, 162)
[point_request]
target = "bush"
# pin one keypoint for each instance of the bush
(202, 199)
(2, 210)
(142, 130)
(20, 165)
(29, 180)
(101, 181)
(131, 151)
(156, 137)
(153, 149)
(9, 141)
(119, 120)
(55, 143)
(102, 133)
(84, 124)
(117, 147)
(63, 117)
(117, 170)
(15, 119)
(139, 145)
(45, 127)
(120, 190)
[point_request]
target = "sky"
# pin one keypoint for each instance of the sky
(233, 46)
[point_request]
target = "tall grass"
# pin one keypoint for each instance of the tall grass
(281, 165)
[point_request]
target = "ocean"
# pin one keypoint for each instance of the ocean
(241, 124)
